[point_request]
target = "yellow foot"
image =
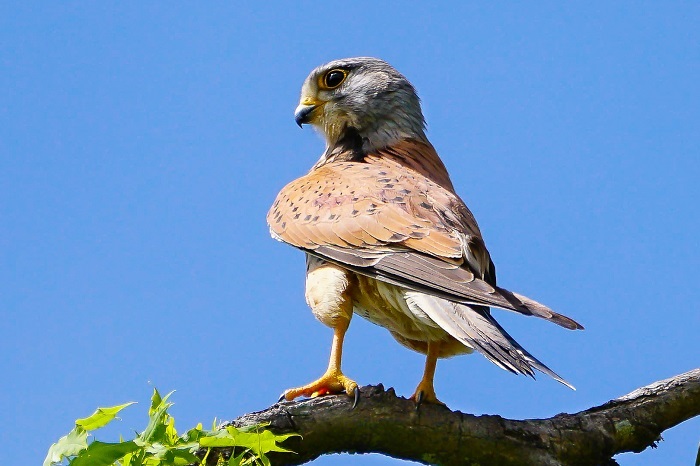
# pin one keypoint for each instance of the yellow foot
(331, 382)
(425, 393)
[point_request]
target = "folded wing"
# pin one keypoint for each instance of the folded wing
(385, 221)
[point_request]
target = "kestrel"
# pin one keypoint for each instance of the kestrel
(385, 234)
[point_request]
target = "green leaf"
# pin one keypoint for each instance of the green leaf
(221, 438)
(158, 414)
(253, 427)
(181, 456)
(101, 417)
(159, 444)
(69, 445)
(156, 400)
(103, 454)
(126, 459)
(157, 449)
(176, 456)
(193, 435)
(170, 432)
(263, 442)
(237, 460)
(264, 460)
(260, 442)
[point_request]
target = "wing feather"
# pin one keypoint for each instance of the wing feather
(384, 220)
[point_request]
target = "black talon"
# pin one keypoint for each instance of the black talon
(419, 399)
(357, 397)
(281, 399)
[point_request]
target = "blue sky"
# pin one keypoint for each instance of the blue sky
(141, 145)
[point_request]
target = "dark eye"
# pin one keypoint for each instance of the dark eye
(334, 78)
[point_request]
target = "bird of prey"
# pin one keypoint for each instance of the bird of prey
(385, 234)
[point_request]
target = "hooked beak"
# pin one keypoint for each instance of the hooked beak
(303, 113)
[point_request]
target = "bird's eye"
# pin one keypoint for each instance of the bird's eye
(334, 78)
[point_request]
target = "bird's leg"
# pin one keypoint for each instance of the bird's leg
(425, 392)
(333, 381)
(327, 293)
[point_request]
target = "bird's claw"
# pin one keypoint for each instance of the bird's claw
(425, 393)
(419, 398)
(357, 398)
(331, 382)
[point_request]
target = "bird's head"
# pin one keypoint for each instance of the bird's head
(363, 96)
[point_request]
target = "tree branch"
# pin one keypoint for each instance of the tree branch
(384, 423)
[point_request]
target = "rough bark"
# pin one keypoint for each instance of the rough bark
(384, 423)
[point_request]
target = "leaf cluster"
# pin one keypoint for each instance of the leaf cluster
(160, 444)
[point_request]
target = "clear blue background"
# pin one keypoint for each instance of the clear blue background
(141, 145)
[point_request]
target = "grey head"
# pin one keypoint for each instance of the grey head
(362, 96)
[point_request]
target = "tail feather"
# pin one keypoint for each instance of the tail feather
(476, 328)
